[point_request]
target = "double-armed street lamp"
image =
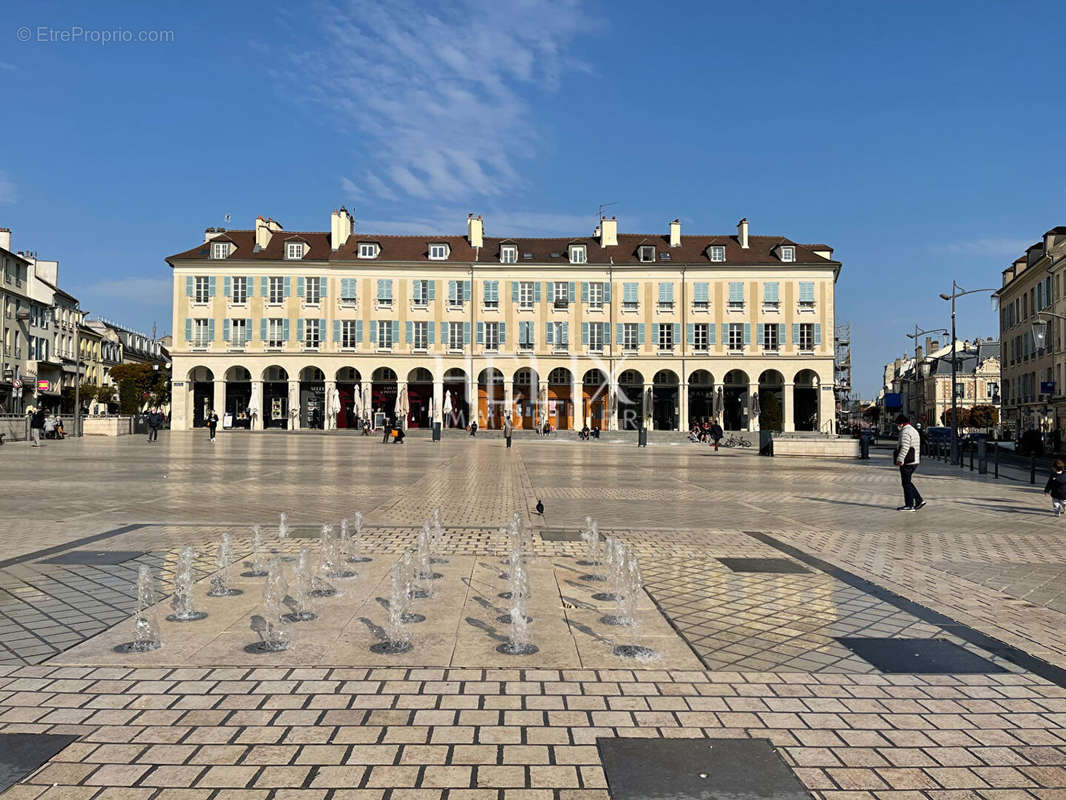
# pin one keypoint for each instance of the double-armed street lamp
(917, 373)
(956, 292)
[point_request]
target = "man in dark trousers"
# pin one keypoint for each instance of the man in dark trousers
(908, 454)
(716, 434)
(212, 423)
(37, 425)
(388, 430)
(155, 422)
(507, 429)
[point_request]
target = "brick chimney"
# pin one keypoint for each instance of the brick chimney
(608, 232)
(340, 227)
(742, 233)
(475, 230)
(675, 233)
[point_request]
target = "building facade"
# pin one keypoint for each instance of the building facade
(273, 328)
(1033, 397)
(26, 351)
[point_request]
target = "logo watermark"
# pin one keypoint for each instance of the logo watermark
(76, 34)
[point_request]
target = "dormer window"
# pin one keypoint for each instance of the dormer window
(788, 253)
(438, 252)
(578, 254)
(647, 253)
(220, 249)
(718, 253)
(509, 254)
(368, 250)
(294, 250)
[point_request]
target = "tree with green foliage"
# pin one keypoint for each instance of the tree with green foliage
(984, 416)
(140, 384)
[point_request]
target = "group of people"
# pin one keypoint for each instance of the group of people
(45, 425)
(707, 432)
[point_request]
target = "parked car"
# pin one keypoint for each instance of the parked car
(938, 435)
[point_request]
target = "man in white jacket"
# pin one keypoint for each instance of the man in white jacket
(908, 454)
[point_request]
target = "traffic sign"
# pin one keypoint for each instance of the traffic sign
(16, 384)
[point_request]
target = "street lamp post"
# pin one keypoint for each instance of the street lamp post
(956, 292)
(77, 369)
(917, 373)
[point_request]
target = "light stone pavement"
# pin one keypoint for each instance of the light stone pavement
(982, 566)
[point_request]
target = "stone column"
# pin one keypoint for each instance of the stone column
(540, 408)
(578, 401)
(329, 420)
(438, 402)
(612, 406)
(471, 400)
(826, 408)
(180, 397)
(508, 401)
(219, 398)
(257, 404)
(682, 407)
(753, 421)
(294, 404)
(788, 419)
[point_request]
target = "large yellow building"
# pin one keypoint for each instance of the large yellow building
(284, 329)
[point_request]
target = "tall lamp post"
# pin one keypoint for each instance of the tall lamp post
(77, 369)
(956, 292)
(917, 373)
(1040, 329)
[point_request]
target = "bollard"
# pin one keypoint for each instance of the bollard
(982, 457)
(997, 461)
(972, 448)
(1032, 468)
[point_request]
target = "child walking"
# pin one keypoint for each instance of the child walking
(1056, 487)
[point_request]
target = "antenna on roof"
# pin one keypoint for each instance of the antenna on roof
(599, 214)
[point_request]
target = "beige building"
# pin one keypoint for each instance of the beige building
(614, 330)
(1032, 376)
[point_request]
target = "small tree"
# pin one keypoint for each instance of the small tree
(964, 418)
(139, 384)
(984, 416)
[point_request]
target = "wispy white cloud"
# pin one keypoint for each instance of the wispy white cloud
(497, 223)
(437, 93)
(7, 188)
(991, 247)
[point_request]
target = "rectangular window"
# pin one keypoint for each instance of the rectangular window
(769, 337)
(771, 294)
(991, 389)
(312, 291)
(348, 291)
(220, 250)
(561, 295)
(384, 334)
(276, 291)
(420, 292)
(806, 294)
(701, 300)
(788, 253)
(420, 335)
(577, 254)
(736, 295)
(525, 336)
(492, 294)
(368, 250)
(508, 254)
(384, 292)
(201, 336)
(239, 295)
(276, 333)
(203, 290)
(348, 337)
(806, 336)
(458, 291)
(438, 252)
(312, 333)
(666, 337)
(736, 336)
(559, 332)
(647, 253)
(629, 336)
(294, 250)
(629, 296)
(596, 295)
(525, 295)
(455, 336)
(492, 336)
(666, 296)
(238, 332)
(699, 337)
(596, 336)
(717, 253)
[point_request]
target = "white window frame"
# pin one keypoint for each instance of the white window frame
(348, 334)
(735, 343)
(701, 331)
(788, 253)
(455, 336)
(312, 334)
(275, 333)
(526, 345)
(238, 332)
(509, 254)
(420, 335)
(348, 302)
(294, 251)
(770, 342)
(643, 251)
(630, 337)
(491, 304)
(578, 254)
(201, 294)
(238, 292)
(717, 253)
(272, 284)
(438, 252)
(368, 250)
(385, 334)
(806, 343)
(220, 250)
(561, 303)
(526, 295)
(308, 291)
(666, 338)
(420, 299)
(558, 345)
(596, 295)
(596, 344)
(492, 336)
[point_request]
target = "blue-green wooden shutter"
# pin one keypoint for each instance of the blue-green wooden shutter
(771, 292)
(725, 333)
(466, 333)
(806, 291)
(503, 333)
(188, 330)
(605, 332)
(700, 292)
(514, 291)
(640, 333)
(301, 288)
(189, 286)
(759, 333)
(711, 330)
(248, 292)
(736, 291)
(395, 332)
(536, 291)
(548, 337)
(566, 333)
(431, 290)
(300, 331)
(549, 296)
(466, 291)
(227, 287)
(431, 337)
(373, 331)
(264, 287)
(336, 330)
(584, 291)
(619, 332)
(248, 329)
(781, 334)
(409, 332)
(655, 333)
(453, 291)
(795, 334)
(571, 292)
(747, 333)
(817, 334)
(263, 329)
(359, 330)
(323, 288)
(288, 287)
(321, 332)
(225, 329)
(677, 333)
(606, 292)
(629, 292)
(584, 333)
(690, 333)
(481, 333)
(285, 329)
(210, 330)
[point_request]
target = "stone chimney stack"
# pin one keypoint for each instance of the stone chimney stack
(5, 238)
(262, 233)
(675, 233)
(608, 232)
(475, 230)
(340, 227)
(742, 233)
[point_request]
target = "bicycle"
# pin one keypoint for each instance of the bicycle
(734, 441)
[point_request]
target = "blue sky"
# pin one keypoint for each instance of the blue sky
(922, 140)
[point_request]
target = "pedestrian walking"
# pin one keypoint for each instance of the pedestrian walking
(155, 422)
(388, 430)
(507, 429)
(1056, 487)
(907, 458)
(37, 425)
(473, 428)
(716, 434)
(212, 423)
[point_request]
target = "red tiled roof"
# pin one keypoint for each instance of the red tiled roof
(693, 249)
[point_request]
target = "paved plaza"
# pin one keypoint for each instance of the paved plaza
(883, 655)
